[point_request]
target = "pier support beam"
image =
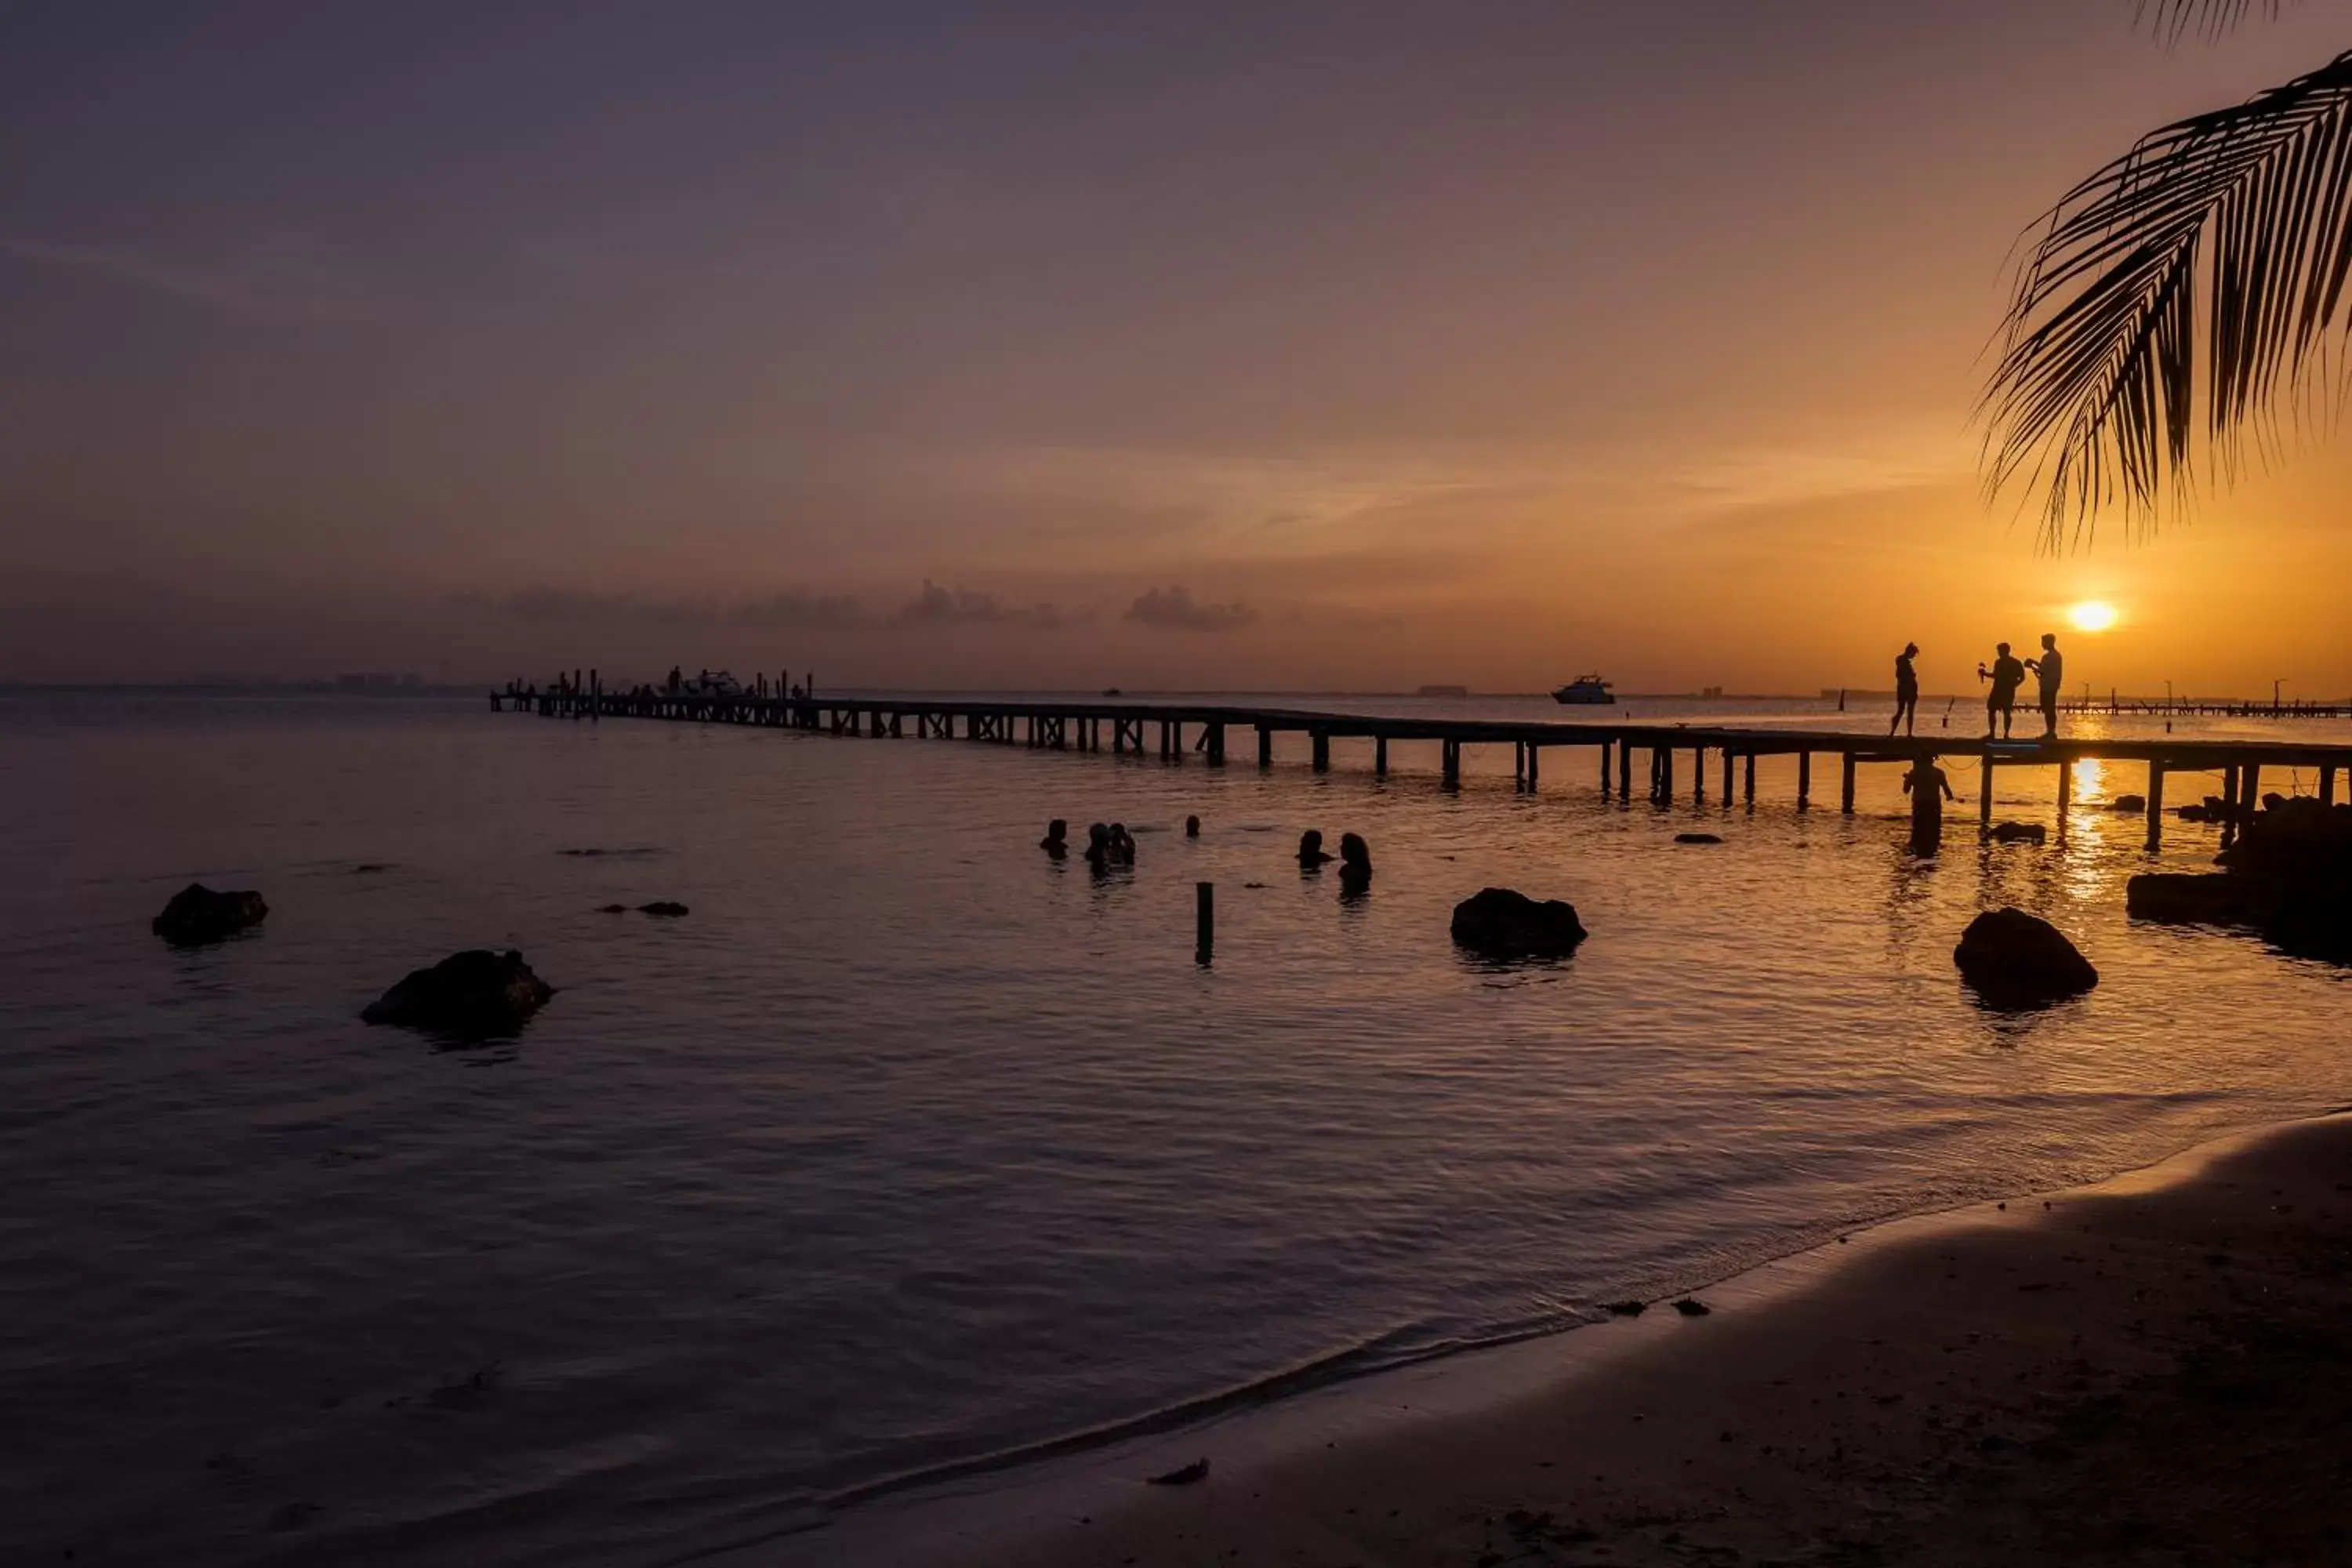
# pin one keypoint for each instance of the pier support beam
(1726, 778)
(1624, 770)
(2327, 783)
(1804, 781)
(1452, 763)
(1748, 784)
(2066, 794)
(1264, 747)
(1216, 746)
(2155, 806)
(1845, 785)
(1535, 764)
(1984, 794)
(1604, 770)
(2250, 795)
(1665, 756)
(1380, 756)
(1698, 775)
(1322, 751)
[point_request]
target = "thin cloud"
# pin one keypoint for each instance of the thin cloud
(936, 605)
(1175, 609)
(276, 281)
(830, 612)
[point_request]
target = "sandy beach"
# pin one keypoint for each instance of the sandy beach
(2152, 1370)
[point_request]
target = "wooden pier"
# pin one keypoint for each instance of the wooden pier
(1176, 732)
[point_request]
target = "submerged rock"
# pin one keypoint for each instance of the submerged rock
(2019, 833)
(472, 993)
(1698, 838)
(2134, 804)
(2013, 959)
(197, 914)
(663, 907)
(1498, 922)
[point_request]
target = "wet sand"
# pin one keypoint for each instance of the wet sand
(2154, 1370)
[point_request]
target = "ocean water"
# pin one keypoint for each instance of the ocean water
(908, 1149)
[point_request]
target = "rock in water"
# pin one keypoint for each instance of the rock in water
(2020, 833)
(198, 914)
(2175, 898)
(665, 907)
(1698, 838)
(2130, 803)
(478, 992)
(1497, 923)
(2013, 959)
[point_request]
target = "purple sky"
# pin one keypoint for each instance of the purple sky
(1268, 346)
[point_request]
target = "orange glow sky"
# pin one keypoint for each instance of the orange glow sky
(1358, 348)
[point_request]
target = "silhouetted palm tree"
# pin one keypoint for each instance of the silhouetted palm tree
(2196, 280)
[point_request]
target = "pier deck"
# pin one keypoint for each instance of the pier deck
(1135, 727)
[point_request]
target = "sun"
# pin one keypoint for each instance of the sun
(2092, 615)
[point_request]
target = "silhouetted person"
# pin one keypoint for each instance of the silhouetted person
(1099, 846)
(1056, 842)
(1355, 864)
(2051, 668)
(2006, 675)
(1928, 789)
(1122, 844)
(1191, 828)
(1311, 857)
(1907, 691)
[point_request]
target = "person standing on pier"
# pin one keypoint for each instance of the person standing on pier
(2051, 668)
(1907, 691)
(2001, 704)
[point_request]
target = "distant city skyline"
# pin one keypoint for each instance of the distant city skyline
(1355, 348)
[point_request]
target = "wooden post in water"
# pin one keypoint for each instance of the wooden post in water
(1216, 746)
(1452, 763)
(2251, 794)
(1665, 756)
(1845, 787)
(1698, 775)
(1205, 920)
(1604, 770)
(2155, 806)
(2327, 783)
(1535, 764)
(1726, 777)
(1264, 747)
(2066, 794)
(1804, 781)
(2230, 806)
(1748, 765)
(1984, 794)
(1380, 756)
(1322, 751)
(1624, 769)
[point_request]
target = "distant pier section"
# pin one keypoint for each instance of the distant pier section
(1181, 730)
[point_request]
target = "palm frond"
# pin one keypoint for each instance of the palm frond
(2174, 19)
(2205, 266)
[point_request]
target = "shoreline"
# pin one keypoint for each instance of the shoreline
(1842, 1399)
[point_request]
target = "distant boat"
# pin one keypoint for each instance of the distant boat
(1585, 690)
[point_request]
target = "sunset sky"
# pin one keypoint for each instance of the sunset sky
(1263, 347)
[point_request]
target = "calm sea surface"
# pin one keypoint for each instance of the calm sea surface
(908, 1147)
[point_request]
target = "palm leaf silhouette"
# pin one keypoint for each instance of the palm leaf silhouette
(2206, 266)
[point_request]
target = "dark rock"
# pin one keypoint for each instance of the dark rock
(1691, 1309)
(2131, 804)
(2013, 959)
(2019, 833)
(2294, 866)
(664, 908)
(1627, 1309)
(197, 914)
(2189, 899)
(1500, 924)
(370, 867)
(1183, 1476)
(612, 909)
(476, 993)
(1698, 838)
